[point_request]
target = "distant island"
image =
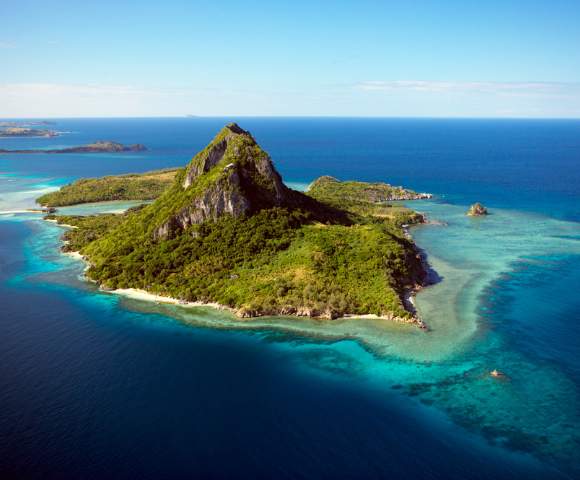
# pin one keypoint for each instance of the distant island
(227, 232)
(25, 123)
(101, 146)
(27, 132)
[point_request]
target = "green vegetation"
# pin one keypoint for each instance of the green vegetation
(143, 186)
(367, 199)
(259, 247)
(273, 262)
(87, 229)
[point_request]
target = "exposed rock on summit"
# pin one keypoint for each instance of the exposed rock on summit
(231, 176)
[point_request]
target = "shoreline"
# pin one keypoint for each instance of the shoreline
(241, 313)
(75, 255)
(66, 225)
(143, 295)
(140, 294)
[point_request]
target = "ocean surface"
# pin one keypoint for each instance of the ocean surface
(94, 385)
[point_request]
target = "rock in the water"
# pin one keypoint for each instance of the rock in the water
(477, 210)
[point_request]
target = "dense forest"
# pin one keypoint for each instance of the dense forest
(284, 253)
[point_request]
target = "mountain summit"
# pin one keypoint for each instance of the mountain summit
(233, 176)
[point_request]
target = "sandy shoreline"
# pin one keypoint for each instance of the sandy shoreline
(66, 225)
(138, 294)
(143, 295)
(75, 255)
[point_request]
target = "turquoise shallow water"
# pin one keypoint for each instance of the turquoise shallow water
(506, 299)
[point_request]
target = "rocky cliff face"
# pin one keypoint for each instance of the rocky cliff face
(206, 162)
(231, 176)
(220, 198)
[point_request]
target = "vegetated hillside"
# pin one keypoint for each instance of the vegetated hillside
(367, 199)
(142, 186)
(229, 231)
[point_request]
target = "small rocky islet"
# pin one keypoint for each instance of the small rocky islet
(227, 230)
(477, 210)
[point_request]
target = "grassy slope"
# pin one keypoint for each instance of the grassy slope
(272, 262)
(269, 263)
(365, 199)
(144, 186)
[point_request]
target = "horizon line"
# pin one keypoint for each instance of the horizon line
(194, 117)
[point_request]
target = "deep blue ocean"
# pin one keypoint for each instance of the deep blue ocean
(95, 385)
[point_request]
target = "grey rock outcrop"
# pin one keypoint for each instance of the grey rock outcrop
(231, 176)
(477, 210)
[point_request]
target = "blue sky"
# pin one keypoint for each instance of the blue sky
(353, 58)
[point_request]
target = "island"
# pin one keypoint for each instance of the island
(477, 210)
(100, 146)
(27, 132)
(228, 232)
(25, 124)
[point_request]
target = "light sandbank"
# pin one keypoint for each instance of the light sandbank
(138, 294)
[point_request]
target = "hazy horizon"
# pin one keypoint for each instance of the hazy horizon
(233, 116)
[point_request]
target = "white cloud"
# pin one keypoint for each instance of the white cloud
(6, 45)
(55, 99)
(371, 98)
(498, 88)
(99, 100)
(49, 89)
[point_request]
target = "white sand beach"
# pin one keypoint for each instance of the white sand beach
(138, 294)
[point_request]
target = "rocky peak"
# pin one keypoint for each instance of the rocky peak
(211, 155)
(235, 128)
(232, 175)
